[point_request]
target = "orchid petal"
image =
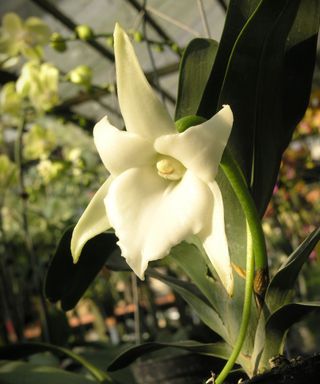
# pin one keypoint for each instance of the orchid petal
(39, 30)
(215, 243)
(93, 221)
(12, 24)
(150, 215)
(142, 111)
(121, 150)
(49, 77)
(200, 147)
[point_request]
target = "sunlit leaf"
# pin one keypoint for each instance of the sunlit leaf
(195, 68)
(281, 287)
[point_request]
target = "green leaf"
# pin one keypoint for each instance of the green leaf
(195, 67)
(14, 372)
(102, 354)
(194, 263)
(278, 324)
(253, 88)
(300, 57)
(266, 81)
(18, 351)
(66, 281)
(219, 349)
(237, 15)
(198, 303)
(281, 287)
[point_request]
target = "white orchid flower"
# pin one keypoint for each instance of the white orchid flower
(161, 189)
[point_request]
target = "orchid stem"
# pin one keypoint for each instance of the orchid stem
(256, 254)
(239, 186)
(246, 311)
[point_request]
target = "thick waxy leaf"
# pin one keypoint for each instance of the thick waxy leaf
(281, 286)
(237, 15)
(194, 263)
(277, 325)
(196, 301)
(267, 71)
(66, 281)
(18, 351)
(195, 68)
(220, 350)
(14, 372)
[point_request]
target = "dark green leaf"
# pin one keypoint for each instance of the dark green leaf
(300, 59)
(237, 15)
(220, 350)
(195, 67)
(253, 88)
(278, 324)
(194, 263)
(100, 356)
(198, 303)
(281, 286)
(267, 81)
(116, 262)
(66, 281)
(18, 351)
(14, 372)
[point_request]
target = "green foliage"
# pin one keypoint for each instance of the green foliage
(66, 281)
(259, 69)
(281, 287)
(219, 349)
(12, 372)
(277, 326)
(263, 68)
(253, 72)
(195, 299)
(195, 67)
(26, 349)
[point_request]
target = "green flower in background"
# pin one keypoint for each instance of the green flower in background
(38, 142)
(39, 82)
(162, 187)
(10, 100)
(8, 172)
(81, 75)
(23, 37)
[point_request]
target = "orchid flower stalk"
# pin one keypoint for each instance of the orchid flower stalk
(161, 189)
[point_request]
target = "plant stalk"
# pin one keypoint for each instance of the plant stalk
(246, 310)
(239, 186)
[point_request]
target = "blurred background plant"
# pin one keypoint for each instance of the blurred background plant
(57, 79)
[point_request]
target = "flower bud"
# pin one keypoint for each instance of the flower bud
(110, 41)
(175, 48)
(81, 75)
(57, 42)
(84, 32)
(137, 36)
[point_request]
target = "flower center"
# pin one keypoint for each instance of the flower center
(170, 168)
